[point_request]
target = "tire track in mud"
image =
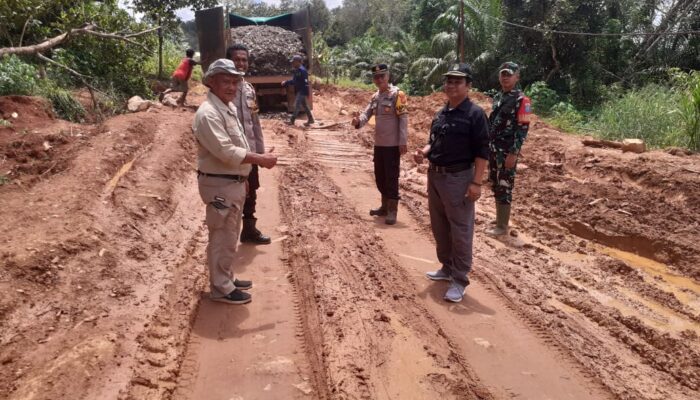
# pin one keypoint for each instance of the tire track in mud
(367, 335)
(631, 359)
(118, 249)
(633, 328)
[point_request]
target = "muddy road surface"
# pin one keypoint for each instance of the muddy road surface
(595, 295)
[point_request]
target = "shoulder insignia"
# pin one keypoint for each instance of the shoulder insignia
(525, 111)
(401, 103)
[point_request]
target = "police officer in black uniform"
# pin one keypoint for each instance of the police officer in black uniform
(458, 151)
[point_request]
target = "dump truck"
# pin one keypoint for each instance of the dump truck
(214, 31)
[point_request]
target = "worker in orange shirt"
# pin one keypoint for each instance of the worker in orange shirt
(181, 77)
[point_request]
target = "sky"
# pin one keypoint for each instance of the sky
(186, 14)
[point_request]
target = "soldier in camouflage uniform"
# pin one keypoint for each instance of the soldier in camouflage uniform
(509, 123)
(389, 107)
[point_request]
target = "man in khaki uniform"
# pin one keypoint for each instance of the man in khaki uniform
(224, 161)
(247, 106)
(388, 105)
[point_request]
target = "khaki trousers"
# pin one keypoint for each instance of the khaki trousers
(224, 199)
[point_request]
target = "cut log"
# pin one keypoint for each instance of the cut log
(634, 145)
(601, 143)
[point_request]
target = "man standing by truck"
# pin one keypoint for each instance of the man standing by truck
(388, 105)
(247, 107)
(300, 80)
(224, 161)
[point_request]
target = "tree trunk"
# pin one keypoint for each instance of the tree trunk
(160, 51)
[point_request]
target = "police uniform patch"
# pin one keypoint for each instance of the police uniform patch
(401, 103)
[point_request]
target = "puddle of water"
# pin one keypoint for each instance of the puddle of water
(656, 316)
(684, 288)
(670, 320)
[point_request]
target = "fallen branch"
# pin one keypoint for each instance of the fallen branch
(88, 29)
(80, 76)
(601, 143)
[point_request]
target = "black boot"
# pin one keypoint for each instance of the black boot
(250, 234)
(392, 206)
(380, 211)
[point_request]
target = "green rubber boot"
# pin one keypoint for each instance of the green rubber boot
(502, 218)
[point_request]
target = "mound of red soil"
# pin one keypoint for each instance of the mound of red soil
(30, 110)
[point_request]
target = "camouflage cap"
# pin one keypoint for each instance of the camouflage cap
(378, 69)
(509, 67)
(460, 70)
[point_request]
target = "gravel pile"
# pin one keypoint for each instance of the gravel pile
(271, 48)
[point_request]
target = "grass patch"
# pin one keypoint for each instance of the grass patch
(662, 116)
(648, 113)
(347, 83)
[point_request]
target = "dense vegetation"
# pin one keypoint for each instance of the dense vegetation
(614, 68)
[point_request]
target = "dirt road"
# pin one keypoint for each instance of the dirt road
(596, 297)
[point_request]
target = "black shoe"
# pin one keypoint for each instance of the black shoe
(256, 238)
(235, 297)
(250, 234)
(242, 285)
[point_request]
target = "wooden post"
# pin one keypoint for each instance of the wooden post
(460, 34)
(160, 51)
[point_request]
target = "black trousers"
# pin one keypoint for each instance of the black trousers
(387, 161)
(252, 197)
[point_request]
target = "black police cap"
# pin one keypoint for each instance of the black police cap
(379, 69)
(460, 70)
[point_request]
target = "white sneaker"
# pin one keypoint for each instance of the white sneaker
(455, 293)
(438, 275)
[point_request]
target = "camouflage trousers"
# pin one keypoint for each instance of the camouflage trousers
(502, 179)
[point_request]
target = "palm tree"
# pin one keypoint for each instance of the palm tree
(481, 32)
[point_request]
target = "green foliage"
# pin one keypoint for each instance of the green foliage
(688, 109)
(25, 21)
(353, 84)
(566, 117)
(648, 113)
(163, 11)
(4, 180)
(543, 98)
(481, 34)
(64, 104)
(112, 63)
(5, 123)
(16, 76)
